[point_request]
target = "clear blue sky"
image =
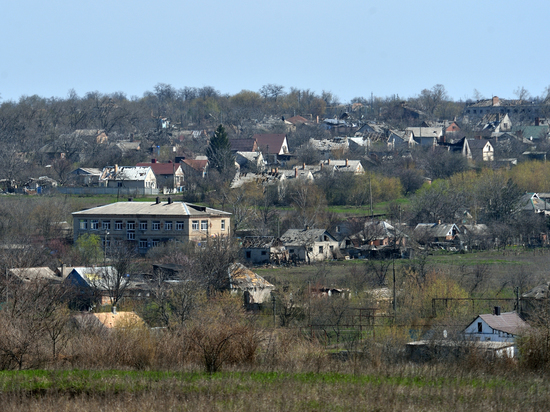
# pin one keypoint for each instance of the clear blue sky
(351, 48)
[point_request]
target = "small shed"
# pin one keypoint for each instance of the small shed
(255, 288)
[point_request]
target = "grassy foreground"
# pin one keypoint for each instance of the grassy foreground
(426, 388)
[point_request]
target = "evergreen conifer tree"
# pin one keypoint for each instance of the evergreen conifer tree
(219, 153)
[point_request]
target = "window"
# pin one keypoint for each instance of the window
(119, 184)
(143, 225)
(155, 242)
(106, 242)
(143, 243)
(106, 225)
(223, 224)
(479, 327)
(204, 224)
(195, 224)
(264, 252)
(320, 249)
(118, 225)
(167, 225)
(83, 224)
(179, 225)
(131, 236)
(156, 225)
(94, 224)
(131, 226)
(248, 254)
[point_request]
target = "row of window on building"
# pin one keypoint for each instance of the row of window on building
(142, 244)
(196, 225)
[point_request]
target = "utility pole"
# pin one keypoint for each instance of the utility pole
(394, 292)
(370, 190)
(273, 302)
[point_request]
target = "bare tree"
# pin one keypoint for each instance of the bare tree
(114, 279)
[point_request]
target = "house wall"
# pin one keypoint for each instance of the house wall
(487, 333)
(488, 153)
(256, 255)
(313, 252)
(527, 111)
(150, 231)
(132, 184)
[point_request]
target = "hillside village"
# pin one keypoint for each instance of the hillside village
(149, 207)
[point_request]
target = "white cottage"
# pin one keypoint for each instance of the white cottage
(497, 327)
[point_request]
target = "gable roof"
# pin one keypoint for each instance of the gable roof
(162, 168)
(302, 237)
(258, 242)
(532, 202)
(478, 143)
(243, 145)
(509, 322)
(531, 132)
(295, 120)
(126, 173)
(273, 143)
(243, 278)
(437, 229)
(353, 166)
(32, 274)
(426, 132)
(198, 164)
(87, 171)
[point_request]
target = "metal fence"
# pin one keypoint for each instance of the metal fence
(119, 191)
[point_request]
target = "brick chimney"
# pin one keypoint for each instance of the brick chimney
(496, 101)
(296, 172)
(153, 160)
(347, 163)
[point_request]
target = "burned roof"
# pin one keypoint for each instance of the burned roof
(259, 242)
(243, 278)
(138, 173)
(302, 237)
(437, 230)
(538, 292)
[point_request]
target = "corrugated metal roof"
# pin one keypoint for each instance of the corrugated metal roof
(508, 322)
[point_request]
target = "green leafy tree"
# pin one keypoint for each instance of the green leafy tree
(219, 153)
(89, 247)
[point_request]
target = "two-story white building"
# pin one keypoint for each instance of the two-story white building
(149, 224)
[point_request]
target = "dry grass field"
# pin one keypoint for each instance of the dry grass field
(337, 387)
